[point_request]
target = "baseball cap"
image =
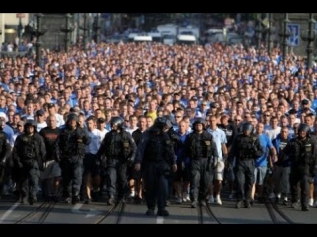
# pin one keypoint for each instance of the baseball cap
(40, 112)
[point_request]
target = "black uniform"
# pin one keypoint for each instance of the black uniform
(70, 152)
(303, 155)
(202, 151)
(50, 136)
(29, 154)
(156, 155)
(246, 149)
(119, 150)
(137, 134)
(5, 152)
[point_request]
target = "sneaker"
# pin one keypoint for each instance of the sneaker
(179, 200)
(218, 201)
(203, 203)
(239, 204)
(132, 194)
(211, 199)
(311, 202)
(186, 197)
(193, 204)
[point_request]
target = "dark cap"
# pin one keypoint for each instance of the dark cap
(213, 106)
(51, 105)
(40, 112)
(305, 101)
(101, 120)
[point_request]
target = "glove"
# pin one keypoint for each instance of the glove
(183, 165)
(97, 161)
(130, 162)
(20, 165)
(215, 163)
(3, 162)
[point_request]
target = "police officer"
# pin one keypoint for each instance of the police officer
(176, 142)
(202, 151)
(302, 151)
(5, 151)
(118, 149)
(29, 155)
(70, 153)
(156, 154)
(246, 148)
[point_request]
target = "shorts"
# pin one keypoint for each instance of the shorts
(51, 170)
(133, 174)
(90, 165)
(259, 175)
(218, 173)
(182, 174)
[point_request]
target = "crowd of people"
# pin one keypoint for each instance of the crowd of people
(225, 86)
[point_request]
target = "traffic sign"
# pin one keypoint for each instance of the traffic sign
(294, 38)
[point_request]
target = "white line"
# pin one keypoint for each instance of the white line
(159, 220)
(76, 208)
(8, 212)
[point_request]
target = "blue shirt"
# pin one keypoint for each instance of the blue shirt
(266, 145)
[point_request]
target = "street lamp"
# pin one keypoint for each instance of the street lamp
(38, 32)
(20, 29)
(310, 37)
(259, 30)
(85, 28)
(67, 29)
(269, 39)
(285, 35)
(96, 28)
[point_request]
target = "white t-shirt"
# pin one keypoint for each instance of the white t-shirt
(39, 126)
(94, 145)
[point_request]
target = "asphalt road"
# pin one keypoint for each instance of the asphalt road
(132, 213)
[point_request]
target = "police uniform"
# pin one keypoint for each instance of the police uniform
(156, 154)
(119, 150)
(303, 154)
(202, 151)
(70, 153)
(246, 149)
(5, 151)
(29, 153)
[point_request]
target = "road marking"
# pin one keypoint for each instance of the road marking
(159, 220)
(8, 212)
(90, 213)
(76, 208)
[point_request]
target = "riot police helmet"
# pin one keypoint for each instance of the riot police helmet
(247, 127)
(162, 122)
(199, 121)
(30, 122)
(117, 121)
(72, 116)
(303, 127)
